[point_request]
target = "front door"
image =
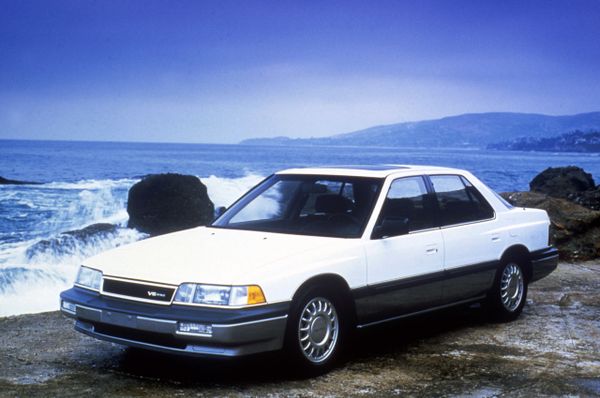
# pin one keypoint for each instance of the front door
(405, 255)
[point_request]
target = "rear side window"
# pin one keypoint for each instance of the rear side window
(459, 201)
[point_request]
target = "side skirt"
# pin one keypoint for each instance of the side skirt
(425, 311)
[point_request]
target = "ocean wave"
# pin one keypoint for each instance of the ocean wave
(48, 266)
(79, 244)
(90, 184)
(36, 268)
(225, 191)
(26, 203)
(14, 277)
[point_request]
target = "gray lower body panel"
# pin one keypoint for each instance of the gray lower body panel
(192, 348)
(224, 340)
(543, 262)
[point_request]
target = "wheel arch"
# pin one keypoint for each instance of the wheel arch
(338, 286)
(520, 253)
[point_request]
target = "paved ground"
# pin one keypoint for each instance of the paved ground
(553, 349)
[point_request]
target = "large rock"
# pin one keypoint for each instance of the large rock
(575, 230)
(163, 203)
(6, 181)
(71, 242)
(561, 182)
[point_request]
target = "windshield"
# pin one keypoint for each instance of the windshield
(307, 205)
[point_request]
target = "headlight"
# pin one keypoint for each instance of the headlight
(191, 293)
(89, 278)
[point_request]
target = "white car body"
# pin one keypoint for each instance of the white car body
(386, 277)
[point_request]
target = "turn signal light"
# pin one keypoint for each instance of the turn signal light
(255, 295)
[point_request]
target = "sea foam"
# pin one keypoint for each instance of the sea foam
(38, 259)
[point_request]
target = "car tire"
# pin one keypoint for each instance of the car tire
(316, 332)
(509, 294)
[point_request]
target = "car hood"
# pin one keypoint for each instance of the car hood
(204, 255)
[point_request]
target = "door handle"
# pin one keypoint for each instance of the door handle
(495, 237)
(432, 250)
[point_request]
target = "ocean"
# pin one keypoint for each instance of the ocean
(84, 183)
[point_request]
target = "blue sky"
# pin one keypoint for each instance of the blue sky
(222, 71)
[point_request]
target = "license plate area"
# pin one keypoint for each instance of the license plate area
(119, 319)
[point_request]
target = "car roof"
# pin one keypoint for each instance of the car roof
(379, 171)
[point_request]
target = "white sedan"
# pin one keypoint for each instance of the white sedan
(309, 255)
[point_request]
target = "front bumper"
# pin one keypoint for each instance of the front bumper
(234, 332)
(543, 262)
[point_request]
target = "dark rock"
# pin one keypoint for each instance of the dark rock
(71, 242)
(5, 181)
(91, 230)
(574, 230)
(560, 182)
(589, 199)
(163, 203)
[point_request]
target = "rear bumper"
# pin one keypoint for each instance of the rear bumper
(543, 262)
(230, 332)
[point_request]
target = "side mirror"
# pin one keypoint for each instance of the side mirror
(390, 227)
(219, 211)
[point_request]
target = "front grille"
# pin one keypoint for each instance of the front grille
(138, 290)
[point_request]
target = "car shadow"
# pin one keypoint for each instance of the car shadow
(393, 338)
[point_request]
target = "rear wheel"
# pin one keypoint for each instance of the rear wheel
(509, 294)
(316, 331)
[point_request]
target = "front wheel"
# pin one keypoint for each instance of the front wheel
(315, 332)
(509, 294)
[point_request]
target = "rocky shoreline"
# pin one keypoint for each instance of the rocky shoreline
(571, 198)
(553, 349)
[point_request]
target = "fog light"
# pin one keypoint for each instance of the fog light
(197, 329)
(69, 307)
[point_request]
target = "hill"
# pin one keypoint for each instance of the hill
(476, 130)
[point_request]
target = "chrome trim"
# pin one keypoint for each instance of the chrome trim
(233, 307)
(249, 322)
(156, 319)
(193, 334)
(469, 222)
(139, 282)
(422, 230)
(88, 308)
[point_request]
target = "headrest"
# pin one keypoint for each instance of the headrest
(399, 207)
(331, 204)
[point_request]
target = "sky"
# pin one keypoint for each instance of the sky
(222, 71)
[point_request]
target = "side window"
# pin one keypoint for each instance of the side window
(459, 201)
(406, 206)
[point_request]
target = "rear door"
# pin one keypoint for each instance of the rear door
(471, 244)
